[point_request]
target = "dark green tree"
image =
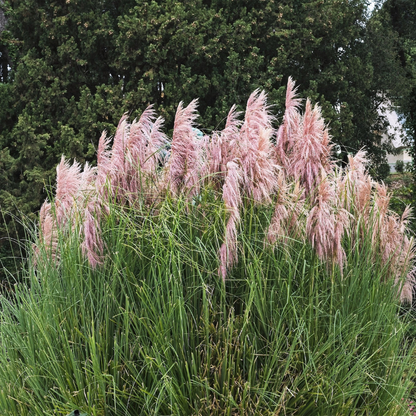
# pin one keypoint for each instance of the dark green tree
(400, 16)
(76, 66)
(221, 50)
(61, 90)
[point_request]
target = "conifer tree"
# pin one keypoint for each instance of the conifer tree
(77, 66)
(400, 17)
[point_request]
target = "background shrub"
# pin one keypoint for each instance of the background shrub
(399, 166)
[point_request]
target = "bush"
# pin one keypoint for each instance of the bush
(213, 283)
(399, 166)
(383, 171)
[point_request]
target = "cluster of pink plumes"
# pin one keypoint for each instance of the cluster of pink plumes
(248, 160)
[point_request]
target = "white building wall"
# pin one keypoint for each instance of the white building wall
(396, 129)
(404, 156)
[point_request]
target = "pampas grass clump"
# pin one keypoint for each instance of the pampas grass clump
(237, 273)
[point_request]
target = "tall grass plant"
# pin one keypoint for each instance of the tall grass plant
(155, 331)
(240, 274)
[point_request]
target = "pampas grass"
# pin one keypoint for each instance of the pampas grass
(184, 164)
(154, 330)
(233, 274)
(241, 162)
(232, 199)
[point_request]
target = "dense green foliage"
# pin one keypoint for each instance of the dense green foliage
(155, 330)
(400, 185)
(77, 66)
(399, 16)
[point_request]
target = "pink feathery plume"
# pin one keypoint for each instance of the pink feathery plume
(320, 222)
(265, 172)
(288, 131)
(363, 184)
(393, 243)
(359, 162)
(405, 264)
(103, 166)
(88, 190)
(290, 206)
(68, 184)
(135, 155)
(257, 115)
(259, 172)
(119, 167)
(87, 185)
(232, 199)
(88, 177)
(371, 208)
(322, 228)
(296, 208)
(233, 123)
(47, 233)
(406, 293)
(405, 218)
(50, 236)
(92, 246)
(139, 137)
(222, 148)
(398, 253)
(280, 148)
(378, 219)
(341, 225)
(363, 191)
(382, 199)
(390, 240)
(184, 163)
(311, 152)
(68, 181)
(228, 139)
(326, 160)
(392, 231)
(102, 179)
(156, 142)
(91, 207)
(155, 157)
(276, 228)
(212, 168)
(292, 105)
(45, 210)
(103, 153)
(355, 188)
